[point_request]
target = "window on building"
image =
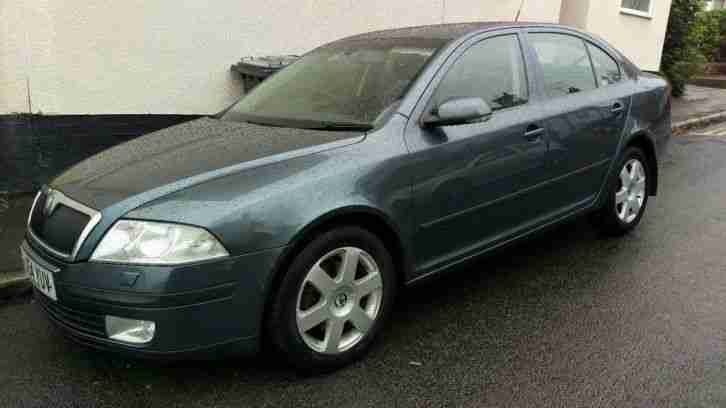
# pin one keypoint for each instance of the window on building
(607, 70)
(565, 64)
(640, 6)
(492, 70)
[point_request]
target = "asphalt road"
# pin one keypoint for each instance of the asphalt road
(569, 319)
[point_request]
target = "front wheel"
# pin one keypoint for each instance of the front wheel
(627, 194)
(333, 300)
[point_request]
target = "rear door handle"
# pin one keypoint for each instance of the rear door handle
(617, 108)
(533, 133)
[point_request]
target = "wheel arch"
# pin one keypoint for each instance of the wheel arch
(644, 142)
(368, 218)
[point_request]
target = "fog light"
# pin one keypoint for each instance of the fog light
(129, 330)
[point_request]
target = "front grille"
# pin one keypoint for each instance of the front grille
(60, 229)
(82, 321)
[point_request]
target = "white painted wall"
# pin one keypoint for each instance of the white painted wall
(544, 11)
(639, 38)
(163, 56)
(25, 52)
(574, 13)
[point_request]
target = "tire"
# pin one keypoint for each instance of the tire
(626, 198)
(316, 287)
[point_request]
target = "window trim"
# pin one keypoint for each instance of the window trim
(592, 63)
(638, 13)
(589, 44)
(459, 54)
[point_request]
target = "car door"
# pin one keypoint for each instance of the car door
(472, 183)
(587, 104)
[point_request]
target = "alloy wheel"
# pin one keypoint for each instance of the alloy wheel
(339, 300)
(630, 196)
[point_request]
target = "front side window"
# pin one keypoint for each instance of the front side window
(492, 70)
(642, 6)
(565, 63)
(606, 69)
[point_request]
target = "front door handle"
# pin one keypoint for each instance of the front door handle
(617, 108)
(533, 133)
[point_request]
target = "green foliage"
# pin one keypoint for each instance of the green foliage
(709, 34)
(689, 63)
(682, 56)
(706, 33)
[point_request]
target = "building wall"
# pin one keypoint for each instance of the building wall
(545, 11)
(173, 57)
(574, 13)
(639, 38)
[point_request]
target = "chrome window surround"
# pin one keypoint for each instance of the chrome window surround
(95, 218)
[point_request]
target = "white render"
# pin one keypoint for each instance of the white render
(173, 57)
(639, 36)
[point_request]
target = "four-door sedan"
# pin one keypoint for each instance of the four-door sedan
(371, 163)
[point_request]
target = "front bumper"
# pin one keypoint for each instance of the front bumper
(204, 309)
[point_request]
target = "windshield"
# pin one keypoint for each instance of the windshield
(349, 86)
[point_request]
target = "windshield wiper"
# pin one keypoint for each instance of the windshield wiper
(311, 124)
(264, 123)
(340, 126)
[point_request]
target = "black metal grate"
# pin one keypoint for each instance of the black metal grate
(61, 229)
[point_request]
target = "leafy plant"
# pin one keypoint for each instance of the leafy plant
(707, 33)
(682, 56)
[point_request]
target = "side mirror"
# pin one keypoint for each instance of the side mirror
(458, 111)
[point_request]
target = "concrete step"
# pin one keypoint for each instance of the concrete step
(13, 213)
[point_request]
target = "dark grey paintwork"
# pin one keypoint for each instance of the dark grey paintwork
(440, 195)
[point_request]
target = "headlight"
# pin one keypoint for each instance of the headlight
(146, 242)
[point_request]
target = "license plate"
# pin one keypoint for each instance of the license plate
(41, 277)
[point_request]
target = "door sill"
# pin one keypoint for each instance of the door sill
(436, 266)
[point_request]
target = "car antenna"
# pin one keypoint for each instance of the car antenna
(519, 12)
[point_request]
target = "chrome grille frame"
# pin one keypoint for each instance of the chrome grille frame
(94, 219)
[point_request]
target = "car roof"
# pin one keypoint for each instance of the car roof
(425, 36)
(445, 32)
(437, 35)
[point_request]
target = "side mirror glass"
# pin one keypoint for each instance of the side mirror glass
(458, 111)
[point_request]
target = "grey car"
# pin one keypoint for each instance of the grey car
(291, 220)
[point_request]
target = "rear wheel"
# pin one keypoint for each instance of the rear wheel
(627, 194)
(333, 300)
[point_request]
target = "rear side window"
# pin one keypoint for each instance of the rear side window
(565, 63)
(607, 70)
(492, 69)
